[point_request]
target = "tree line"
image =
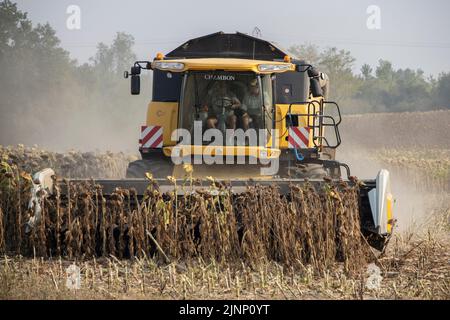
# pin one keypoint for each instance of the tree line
(50, 99)
(44, 92)
(383, 89)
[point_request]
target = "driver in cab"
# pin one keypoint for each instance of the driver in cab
(221, 102)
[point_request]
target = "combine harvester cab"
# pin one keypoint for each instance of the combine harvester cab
(216, 81)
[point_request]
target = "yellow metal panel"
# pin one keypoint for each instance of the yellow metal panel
(390, 221)
(220, 171)
(254, 151)
(280, 125)
(227, 64)
(164, 114)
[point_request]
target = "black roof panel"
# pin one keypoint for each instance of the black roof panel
(228, 45)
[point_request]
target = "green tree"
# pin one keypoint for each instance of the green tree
(385, 72)
(103, 60)
(34, 69)
(122, 52)
(48, 99)
(115, 58)
(308, 52)
(338, 65)
(366, 71)
(442, 97)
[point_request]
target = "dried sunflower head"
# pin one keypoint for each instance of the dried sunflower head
(188, 168)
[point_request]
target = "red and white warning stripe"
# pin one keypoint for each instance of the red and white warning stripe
(298, 137)
(151, 137)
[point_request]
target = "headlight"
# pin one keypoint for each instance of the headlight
(166, 65)
(273, 67)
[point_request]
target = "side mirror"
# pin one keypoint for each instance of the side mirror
(316, 90)
(313, 73)
(136, 70)
(135, 84)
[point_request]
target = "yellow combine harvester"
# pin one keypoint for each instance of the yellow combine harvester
(239, 108)
(232, 83)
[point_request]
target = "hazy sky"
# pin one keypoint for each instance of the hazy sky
(414, 34)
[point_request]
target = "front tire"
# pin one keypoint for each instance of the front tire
(308, 171)
(159, 168)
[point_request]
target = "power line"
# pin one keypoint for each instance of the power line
(439, 45)
(94, 45)
(298, 38)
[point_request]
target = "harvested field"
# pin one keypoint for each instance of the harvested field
(416, 267)
(414, 147)
(280, 264)
(72, 164)
(417, 130)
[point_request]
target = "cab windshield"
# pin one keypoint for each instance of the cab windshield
(226, 100)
